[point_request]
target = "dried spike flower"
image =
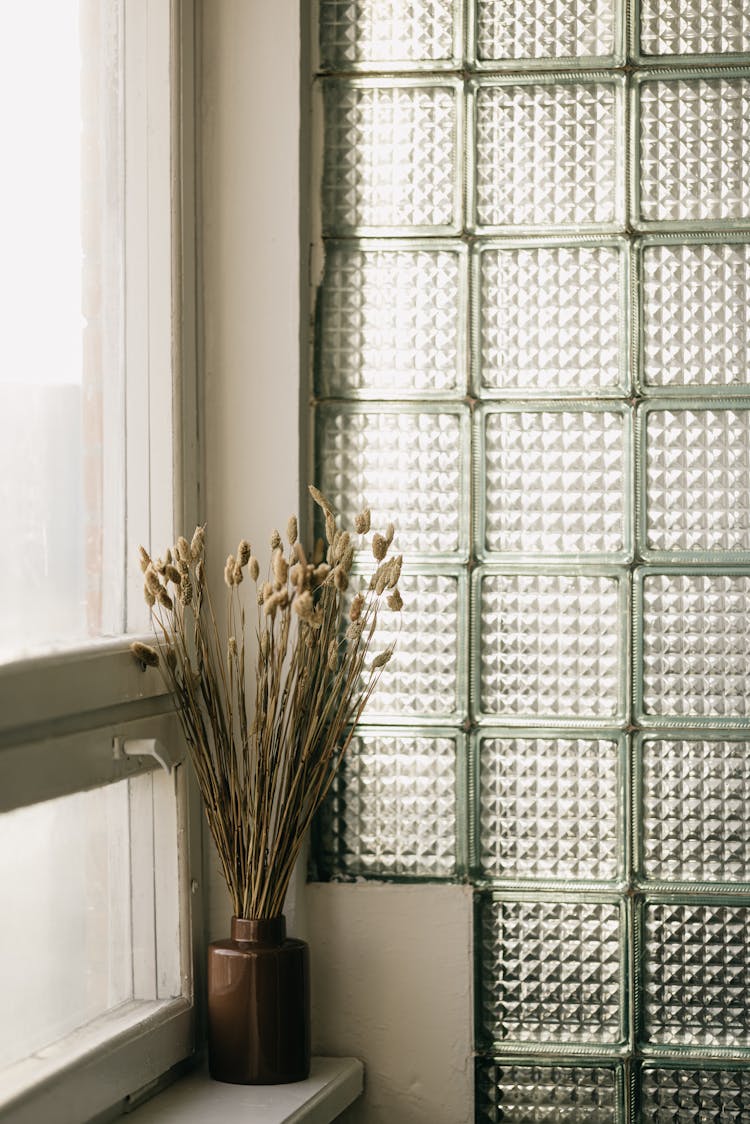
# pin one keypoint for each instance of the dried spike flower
(333, 655)
(145, 559)
(292, 530)
(330, 527)
(232, 648)
(161, 564)
(170, 657)
(321, 572)
(173, 575)
(229, 570)
(280, 567)
(318, 552)
(381, 660)
(340, 545)
(244, 551)
(299, 553)
(237, 574)
(254, 569)
(394, 571)
(362, 522)
(347, 560)
(356, 607)
(152, 581)
(319, 498)
(303, 605)
(275, 540)
(197, 541)
(149, 597)
(340, 579)
(186, 591)
(200, 573)
(395, 602)
(148, 656)
(168, 559)
(379, 547)
(164, 599)
(182, 549)
(265, 644)
(389, 533)
(266, 590)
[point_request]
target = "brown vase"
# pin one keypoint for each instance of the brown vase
(258, 1005)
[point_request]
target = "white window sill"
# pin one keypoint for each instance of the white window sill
(195, 1099)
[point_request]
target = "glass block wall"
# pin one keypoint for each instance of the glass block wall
(532, 353)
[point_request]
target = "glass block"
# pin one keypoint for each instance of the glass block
(391, 321)
(694, 27)
(425, 677)
(546, 154)
(697, 479)
(556, 481)
(551, 645)
(696, 331)
(530, 1094)
(392, 808)
(391, 156)
(570, 29)
(551, 320)
(548, 807)
(695, 150)
(695, 825)
(689, 1095)
(696, 974)
(387, 34)
(408, 468)
(696, 645)
(550, 972)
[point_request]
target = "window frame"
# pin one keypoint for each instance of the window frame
(60, 712)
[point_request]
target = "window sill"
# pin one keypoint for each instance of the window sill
(333, 1084)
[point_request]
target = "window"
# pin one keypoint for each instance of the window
(531, 354)
(99, 832)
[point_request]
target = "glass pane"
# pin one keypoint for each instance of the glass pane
(693, 1096)
(695, 149)
(550, 971)
(537, 1094)
(696, 974)
(65, 879)
(59, 289)
(386, 32)
(551, 646)
(694, 27)
(697, 476)
(694, 813)
(556, 482)
(548, 808)
(696, 332)
(573, 29)
(551, 320)
(391, 156)
(696, 645)
(408, 468)
(546, 154)
(391, 322)
(392, 809)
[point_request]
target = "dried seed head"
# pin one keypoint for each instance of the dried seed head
(362, 522)
(244, 550)
(275, 540)
(265, 644)
(330, 527)
(152, 581)
(164, 599)
(319, 498)
(161, 564)
(173, 575)
(200, 573)
(170, 658)
(347, 559)
(318, 552)
(254, 568)
(340, 579)
(186, 591)
(354, 631)
(280, 567)
(237, 573)
(291, 530)
(182, 549)
(266, 590)
(145, 558)
(381, 660)
(231, 648)
(229, 570)
(150, 597)
(389, 533)
(145, 653)
(333, 655)
(394, 571)
(340, 545)
(303, 605)
(196, 545)
(299, 553)
(357, 605)
(379, 547)
(321, 572)
(394, 601)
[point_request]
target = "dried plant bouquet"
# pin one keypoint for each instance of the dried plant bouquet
(264, 771)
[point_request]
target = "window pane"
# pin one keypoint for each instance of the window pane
(59, 287)
(66, 949)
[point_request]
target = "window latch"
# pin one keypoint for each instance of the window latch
(145, 747)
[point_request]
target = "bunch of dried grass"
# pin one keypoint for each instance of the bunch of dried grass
(263, 775)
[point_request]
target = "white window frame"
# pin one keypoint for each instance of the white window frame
(63, 715)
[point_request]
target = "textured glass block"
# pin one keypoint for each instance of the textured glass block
(697, 493)
(694, 810)
(546, 154)
(386, 33)
(551, 645)
(694, 27)
(391, 156)
(695, 149)
(550, 971)
(556, 482)
(548, 807)
(539, 30)
(392, 808)
(391, 322)
(536, 1094)
(408, 468)
(695, 1096)
(425, 676)
(696, 645)
(551, 320)
(696, 974)
(696, 331)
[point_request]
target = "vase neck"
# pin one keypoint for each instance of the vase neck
(259, 930)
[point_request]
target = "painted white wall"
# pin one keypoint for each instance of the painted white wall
(391, 964)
